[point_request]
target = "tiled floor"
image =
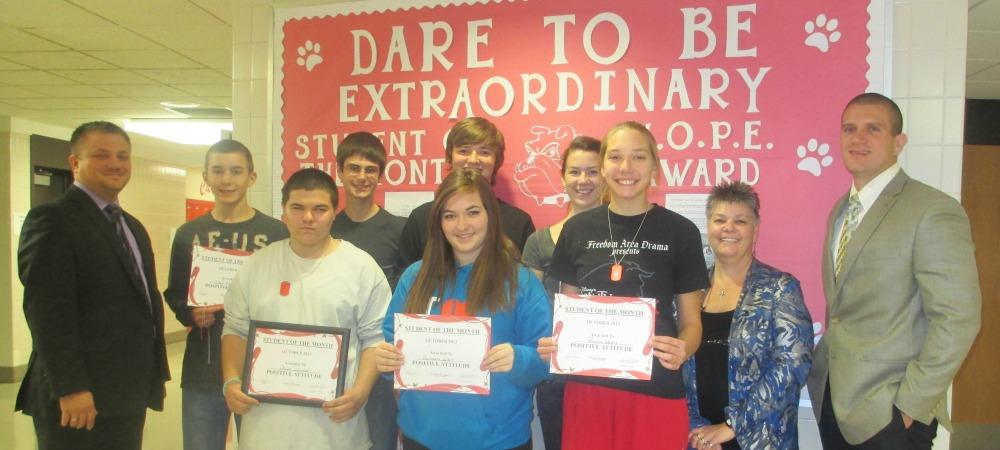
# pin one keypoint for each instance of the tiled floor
(163, 430)
(970, 436)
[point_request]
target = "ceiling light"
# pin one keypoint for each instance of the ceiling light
(179, 104)
(181, 131)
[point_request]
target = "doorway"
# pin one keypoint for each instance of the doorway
(975, 393)
(47, 183)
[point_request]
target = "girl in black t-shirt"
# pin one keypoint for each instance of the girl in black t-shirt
(632, 248)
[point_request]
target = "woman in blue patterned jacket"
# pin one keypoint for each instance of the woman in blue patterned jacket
(743, 383)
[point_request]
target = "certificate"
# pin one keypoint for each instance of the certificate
(295, 364)
(443, 353)
(603, 336)
(212, 269)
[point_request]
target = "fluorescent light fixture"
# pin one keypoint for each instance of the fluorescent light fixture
(179, 104)
(181, 131)
(170, 171)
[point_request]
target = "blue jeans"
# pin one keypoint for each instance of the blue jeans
(381, 412)
(204, 418)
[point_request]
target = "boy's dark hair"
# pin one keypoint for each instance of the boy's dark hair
(230, 146)
(363, 144)
(310, 180)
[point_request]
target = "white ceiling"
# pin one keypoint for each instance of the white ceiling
(68, 61)
(982, 68)
(64, 62)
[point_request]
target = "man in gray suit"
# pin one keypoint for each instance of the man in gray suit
(902, 295)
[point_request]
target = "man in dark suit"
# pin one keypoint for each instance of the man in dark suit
(91, 302)
(902, 295)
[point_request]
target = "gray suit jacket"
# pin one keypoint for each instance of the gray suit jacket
(903, 312)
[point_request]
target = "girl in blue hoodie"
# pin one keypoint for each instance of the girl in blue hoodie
(470, 269)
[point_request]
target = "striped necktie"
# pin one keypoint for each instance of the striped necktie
(851, 220)
(114, 213)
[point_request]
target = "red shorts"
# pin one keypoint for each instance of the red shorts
(602, 418)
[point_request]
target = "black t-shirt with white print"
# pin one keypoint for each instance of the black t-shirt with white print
(202, 365)
(663, 260)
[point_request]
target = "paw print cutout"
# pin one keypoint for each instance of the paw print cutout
(813, 157)
(309, 55)
(822, 32)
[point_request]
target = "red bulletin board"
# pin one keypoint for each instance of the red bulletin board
(747, 91)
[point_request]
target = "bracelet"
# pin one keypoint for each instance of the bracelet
(227, 382)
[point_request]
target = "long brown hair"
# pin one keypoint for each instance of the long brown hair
(493, 281)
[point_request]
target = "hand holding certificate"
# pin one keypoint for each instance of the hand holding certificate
(603, 336)
(445, 354)
(212, 270)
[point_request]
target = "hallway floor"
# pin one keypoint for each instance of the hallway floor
(163, 429)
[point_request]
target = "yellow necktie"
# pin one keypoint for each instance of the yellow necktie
(851, 220)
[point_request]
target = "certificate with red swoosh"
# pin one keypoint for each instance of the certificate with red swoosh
(212, 269)
(604, 337)
(295, 364)
(443, 353)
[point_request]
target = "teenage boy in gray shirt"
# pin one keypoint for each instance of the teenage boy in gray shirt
(361, 161)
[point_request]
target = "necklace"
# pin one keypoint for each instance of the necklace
(717, 290)
(713, 292)
(616, 268)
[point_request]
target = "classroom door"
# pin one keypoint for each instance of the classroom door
(976, 394)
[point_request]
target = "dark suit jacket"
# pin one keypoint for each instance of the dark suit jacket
(91, 326)
(903, 312)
